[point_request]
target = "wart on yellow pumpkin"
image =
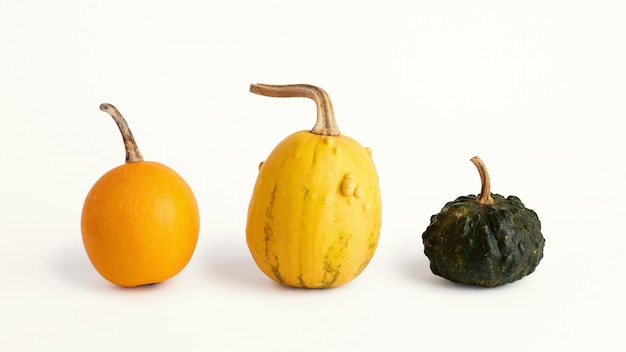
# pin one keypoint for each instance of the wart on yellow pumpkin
(315, 214)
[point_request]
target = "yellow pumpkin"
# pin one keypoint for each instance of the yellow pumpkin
(315, 214)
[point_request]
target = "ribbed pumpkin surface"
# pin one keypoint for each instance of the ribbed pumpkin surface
(486, 245)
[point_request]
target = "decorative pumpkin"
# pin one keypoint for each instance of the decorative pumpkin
(484, 240)
(315, 213)
(140, 220)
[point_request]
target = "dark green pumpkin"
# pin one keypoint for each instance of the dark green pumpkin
(486, 241)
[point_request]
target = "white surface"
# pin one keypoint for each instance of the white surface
(536, 88)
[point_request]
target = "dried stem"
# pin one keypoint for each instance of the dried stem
(326, 124)
(485, 191)
(132, 151)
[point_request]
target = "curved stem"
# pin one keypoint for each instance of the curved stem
(485, 190)
(326, 124)
(132, 151)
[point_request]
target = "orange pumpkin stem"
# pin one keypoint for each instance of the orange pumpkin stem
(326, 124)
(132, 151)
(485, 191)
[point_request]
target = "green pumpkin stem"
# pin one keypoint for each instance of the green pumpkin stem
(326, 124)
(485, 191)
(132, 151)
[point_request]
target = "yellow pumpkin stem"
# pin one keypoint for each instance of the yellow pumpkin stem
(132, 151)
(485, 192)
(326, 124)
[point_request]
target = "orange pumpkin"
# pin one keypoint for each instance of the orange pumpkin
(140, 221)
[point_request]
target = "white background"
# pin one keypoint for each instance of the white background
(536, 88)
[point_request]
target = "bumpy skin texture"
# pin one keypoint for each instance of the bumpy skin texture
(484, 245)
(315, 213)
